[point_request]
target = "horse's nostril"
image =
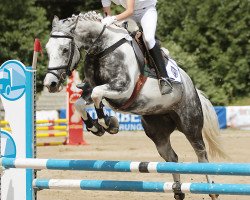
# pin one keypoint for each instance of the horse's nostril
(53, 84)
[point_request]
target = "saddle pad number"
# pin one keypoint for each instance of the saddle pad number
(173, 71)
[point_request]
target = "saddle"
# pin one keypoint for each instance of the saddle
(146, 64)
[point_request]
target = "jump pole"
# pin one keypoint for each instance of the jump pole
(231, 169)
(141, 186)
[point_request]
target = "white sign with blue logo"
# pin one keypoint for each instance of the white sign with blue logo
(17, 98)
(8, 146)
(127, 122)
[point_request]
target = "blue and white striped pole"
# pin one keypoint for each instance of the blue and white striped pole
(242, 169)
(141, 186)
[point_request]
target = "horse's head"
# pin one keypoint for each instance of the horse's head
(63, 52)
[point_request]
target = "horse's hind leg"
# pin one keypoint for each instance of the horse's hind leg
(200, 150)
(193, 132)
(158, 128)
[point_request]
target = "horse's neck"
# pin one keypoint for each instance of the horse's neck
(111, 35)
(90, 31)
(127, 55)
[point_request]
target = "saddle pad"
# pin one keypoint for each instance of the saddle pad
(173, 71)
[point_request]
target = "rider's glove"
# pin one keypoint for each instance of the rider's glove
(109, 20)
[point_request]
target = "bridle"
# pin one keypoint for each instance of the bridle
(73, 46)
(66, 67)
(68, 71)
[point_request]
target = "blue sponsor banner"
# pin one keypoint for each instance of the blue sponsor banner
(221, 114)
(127, 122)
(130, 122)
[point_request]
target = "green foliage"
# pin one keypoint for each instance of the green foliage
(65, 8)
(210, 38)
(245, 101)
(20, 23)
(216, 33)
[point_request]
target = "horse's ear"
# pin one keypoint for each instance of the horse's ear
(55, 21)
(74, 25)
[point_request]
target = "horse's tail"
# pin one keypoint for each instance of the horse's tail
(211, 127)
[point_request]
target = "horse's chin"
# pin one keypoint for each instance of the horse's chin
(55, 89)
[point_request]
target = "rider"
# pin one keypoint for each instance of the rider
(143, 12)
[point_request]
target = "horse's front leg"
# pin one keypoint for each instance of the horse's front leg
(109, 123)
(91, 124)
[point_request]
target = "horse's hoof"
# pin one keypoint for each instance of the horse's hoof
(113, 125)
(214, 196)
(100, 130)
(179, 196)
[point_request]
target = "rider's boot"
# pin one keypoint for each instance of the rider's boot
(165, 83)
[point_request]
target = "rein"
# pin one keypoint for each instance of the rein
(96, 40)
(105, 51)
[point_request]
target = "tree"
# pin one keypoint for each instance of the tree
(65, 8)
(20, 23)
(216, 33)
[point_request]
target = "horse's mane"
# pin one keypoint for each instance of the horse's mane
(66, 25)
(90, 16)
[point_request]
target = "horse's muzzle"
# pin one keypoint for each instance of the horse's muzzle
(53, 85)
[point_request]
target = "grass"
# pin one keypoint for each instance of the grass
(241, 102)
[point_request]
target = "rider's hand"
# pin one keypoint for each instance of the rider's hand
(109, 20)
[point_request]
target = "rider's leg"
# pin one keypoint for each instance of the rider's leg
(165, 84)
(148, 23)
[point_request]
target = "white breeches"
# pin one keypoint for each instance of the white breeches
(147, 17)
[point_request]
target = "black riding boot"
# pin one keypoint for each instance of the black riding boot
(165, 84)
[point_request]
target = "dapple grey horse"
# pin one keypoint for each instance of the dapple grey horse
(113, 76)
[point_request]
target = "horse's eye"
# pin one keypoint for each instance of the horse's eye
(65, 50)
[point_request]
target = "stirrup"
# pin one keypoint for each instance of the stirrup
(165, 85)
